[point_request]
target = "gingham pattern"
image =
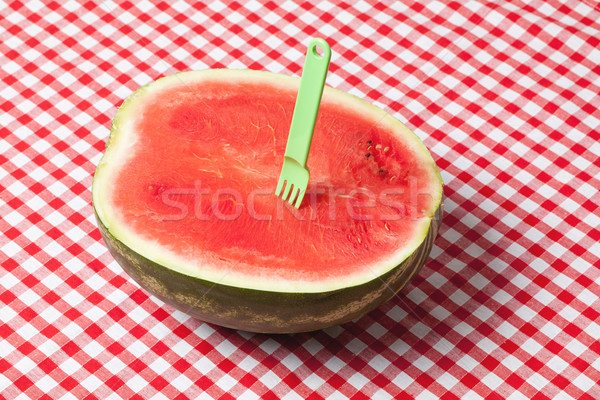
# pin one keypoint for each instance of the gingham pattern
(506, 96)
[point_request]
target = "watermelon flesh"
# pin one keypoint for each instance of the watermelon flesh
(189, 176)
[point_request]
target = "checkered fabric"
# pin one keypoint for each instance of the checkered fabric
(506, 96)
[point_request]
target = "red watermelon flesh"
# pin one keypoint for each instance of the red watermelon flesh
(205, 157)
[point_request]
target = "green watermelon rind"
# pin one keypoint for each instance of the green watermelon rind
(267, 311)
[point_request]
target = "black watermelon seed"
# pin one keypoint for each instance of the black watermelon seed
(370, 142)
(368, 155)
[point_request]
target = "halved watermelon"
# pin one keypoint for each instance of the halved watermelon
(184, 198)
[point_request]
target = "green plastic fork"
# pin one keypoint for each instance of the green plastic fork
(294, 172)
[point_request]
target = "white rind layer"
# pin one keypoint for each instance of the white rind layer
(121, 145)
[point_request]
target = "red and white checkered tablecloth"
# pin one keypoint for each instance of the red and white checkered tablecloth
(505, 94)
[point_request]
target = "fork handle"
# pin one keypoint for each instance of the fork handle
(306, 109)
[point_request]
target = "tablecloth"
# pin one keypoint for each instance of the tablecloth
(504, 94)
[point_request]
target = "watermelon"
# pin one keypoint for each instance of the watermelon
(184, 199)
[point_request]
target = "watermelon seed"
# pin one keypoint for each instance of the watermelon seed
(387, 227)
(157, 191)
(386, 149)
(370, 142)
(368, 155)
(381, 171)
(377, 147)
(359, 241)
